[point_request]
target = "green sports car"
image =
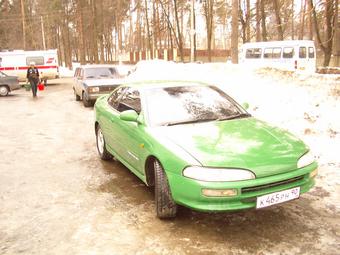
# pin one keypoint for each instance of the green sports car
(199, 148)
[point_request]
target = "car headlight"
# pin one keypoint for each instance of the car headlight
(217, 174)
(94, 89)
(305, 160)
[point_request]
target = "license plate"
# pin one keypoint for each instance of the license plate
(277, 197)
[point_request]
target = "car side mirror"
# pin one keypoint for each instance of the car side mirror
(245, 106)
(129, 115)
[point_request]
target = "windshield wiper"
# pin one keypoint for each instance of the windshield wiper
(188, 122)
(237, 116)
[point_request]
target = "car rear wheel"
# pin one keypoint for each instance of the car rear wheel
(86, 101)
(165, 205)
(101, 145)
(77, 97)
(4, 90)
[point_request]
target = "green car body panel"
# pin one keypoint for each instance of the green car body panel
(270, 153)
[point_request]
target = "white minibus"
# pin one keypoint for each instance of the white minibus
(295, 55)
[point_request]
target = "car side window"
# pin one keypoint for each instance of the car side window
(113, 100)
(81, 74)
(130, 101)
(76, 73)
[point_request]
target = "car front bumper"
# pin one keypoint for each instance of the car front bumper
(188, 192)
(94, 96)
(103, 90)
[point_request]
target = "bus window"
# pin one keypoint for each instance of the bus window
(268, 52)
(37, 60)
(288, 52)
(302, 52)
(253, 53)
(311, 53)
(276, 53)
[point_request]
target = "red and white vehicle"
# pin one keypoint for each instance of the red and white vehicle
(16, 63)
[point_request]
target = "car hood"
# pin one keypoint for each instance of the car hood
(241, 143)
(103, 82)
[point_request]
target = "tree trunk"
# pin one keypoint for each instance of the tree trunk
(234, 32)
(336, 52)
(293, 20)
(258, 21)
(82, 44)
(302, 19)
(248, 14)
(327, 44)
(94, 33)
(179, 35)
(278, 20)
(101, 35)
(208, 13)
(309, 21)
(148, 36)
(263, 21)
(23, 24)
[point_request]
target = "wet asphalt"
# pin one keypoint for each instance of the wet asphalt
(58, 197)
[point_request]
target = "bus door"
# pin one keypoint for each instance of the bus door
(302, 62)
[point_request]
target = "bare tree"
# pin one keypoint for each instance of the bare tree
(263, 21)
(278, 19)
(302, 19)
(336, 35)
(327, 43)
(258, 21)
(234, 32)
(208, 8)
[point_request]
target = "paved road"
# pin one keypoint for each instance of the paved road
(58, 197)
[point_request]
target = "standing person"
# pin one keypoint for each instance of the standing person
(33, 77)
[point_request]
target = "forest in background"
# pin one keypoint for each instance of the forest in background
(90, 31)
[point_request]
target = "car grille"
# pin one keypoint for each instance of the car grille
(107, 88)
(270, 185)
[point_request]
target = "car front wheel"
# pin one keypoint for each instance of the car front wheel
(165, 205)
(87, 102)
(77, 97)
(4, 90)
(101, 145)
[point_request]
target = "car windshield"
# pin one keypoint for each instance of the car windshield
(190, 104)
(100, 73)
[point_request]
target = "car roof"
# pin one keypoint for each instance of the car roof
(97, 65)
(163, 84)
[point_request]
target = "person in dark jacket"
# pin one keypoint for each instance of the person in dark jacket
(33, 78)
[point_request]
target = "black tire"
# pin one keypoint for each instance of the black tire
(4, 90)
(86, 101)
(165, 205)
(77, 97)
(101, 145)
